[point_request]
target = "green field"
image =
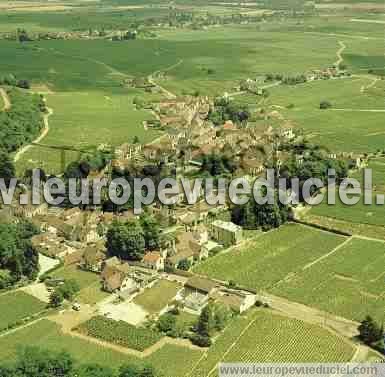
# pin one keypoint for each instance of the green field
(83, 120)
(47, 335)
(16, 306)
(89, 282)
(349, 283)
(156, 298)
(329, 127)
(274, 339)
(263, 262)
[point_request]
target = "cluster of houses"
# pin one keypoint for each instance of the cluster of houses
(326, 74)
(189, 136)
(190, 246)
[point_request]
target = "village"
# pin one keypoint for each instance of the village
(161, 281)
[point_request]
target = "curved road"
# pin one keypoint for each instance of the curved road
(43, 134)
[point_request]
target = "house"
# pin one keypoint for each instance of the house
(115, 276)
(187, 248)
(196, 301)
(53, 245)
(226, 233)
(238, 301)
(154, 261)
(93, 257)
(201, 285)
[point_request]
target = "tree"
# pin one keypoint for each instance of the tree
(16, 252)
(33, 362)
(24, 84)
(6, 279)
(221, 316)
(126, 240)
(94, 371)
(184, 265)
(56, 299)
(266, 216)
(151, 232)
(166, 322)
(7, 169)
(206, 323)
(325, 105)
(369, 331)
(69, 289)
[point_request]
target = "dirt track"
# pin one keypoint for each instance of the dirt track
(7, 102)
(43, 134)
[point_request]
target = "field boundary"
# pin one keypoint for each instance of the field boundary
(139, 354)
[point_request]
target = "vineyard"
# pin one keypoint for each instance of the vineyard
(280, 339)
(222, 344)
(274, 339)
(271, 257)
(120, 333)
(349, 283)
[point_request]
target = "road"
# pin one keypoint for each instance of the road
(7, 102)
(151, 80)
(340, 59)
(361, 110)
(43, 134)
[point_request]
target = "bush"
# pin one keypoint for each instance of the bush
(325, 105)
(200, 340)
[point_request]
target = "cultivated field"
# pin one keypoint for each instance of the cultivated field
(83, 120)
(120, 333)
(329, 127)
(263, 262)
(47, 335)
(349, 283)
(16, 306)
(274, 339)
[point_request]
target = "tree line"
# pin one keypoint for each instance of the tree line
(37, 362)
(18, 259)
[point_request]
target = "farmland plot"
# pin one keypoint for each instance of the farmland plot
(263, 336)
(120, 333)
(15, 306)
(47, 335)
(349, 283)
(263, 262)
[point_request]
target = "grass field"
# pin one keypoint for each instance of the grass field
(274, 339)
(263, 262)
(92, 294)
(156, 298)
(349, 283)
(90, 286)
(329, 127)
(85, 119)
(46, 334)
(16, 306)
